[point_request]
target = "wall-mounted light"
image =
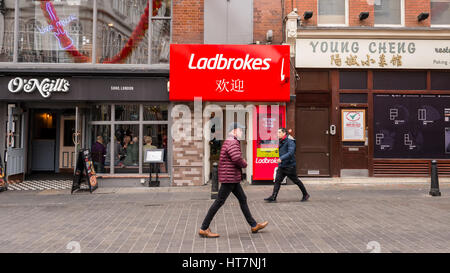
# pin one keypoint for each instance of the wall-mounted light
(363, 15)
(307, 15)
(423, 16)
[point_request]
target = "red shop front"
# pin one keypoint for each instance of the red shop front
(244, 83)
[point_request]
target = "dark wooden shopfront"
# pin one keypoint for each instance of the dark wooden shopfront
(322, 94)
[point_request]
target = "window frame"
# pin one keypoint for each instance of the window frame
(402, 17)
(346, 16)
(141, 122)
(437, 25)
(92, 63)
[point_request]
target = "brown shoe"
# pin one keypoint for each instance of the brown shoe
(259, 226)
(207, 233)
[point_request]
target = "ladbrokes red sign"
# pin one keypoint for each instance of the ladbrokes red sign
(229, 72)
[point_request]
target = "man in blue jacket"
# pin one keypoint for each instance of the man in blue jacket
(286, 166)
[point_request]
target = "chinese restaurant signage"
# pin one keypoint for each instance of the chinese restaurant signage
(229, 72)
(377, 54)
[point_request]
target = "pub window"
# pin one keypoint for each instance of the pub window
(333, 12)
(353, 80)
(389, 12)
(39, 42)
(7, 32)
(400, 80)
(440, 80)
(120, 136)
(440, 12)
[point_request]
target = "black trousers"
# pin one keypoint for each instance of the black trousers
(291, 173)
(224, 192)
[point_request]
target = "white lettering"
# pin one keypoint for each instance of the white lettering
(221, 63)
(45, 87)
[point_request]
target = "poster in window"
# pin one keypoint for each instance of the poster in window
(447, 140)
(353, 124)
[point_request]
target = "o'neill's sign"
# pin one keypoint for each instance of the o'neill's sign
(46, 87)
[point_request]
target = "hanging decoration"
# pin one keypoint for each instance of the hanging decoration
(66, 42)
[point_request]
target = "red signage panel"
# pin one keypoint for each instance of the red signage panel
(229, 72)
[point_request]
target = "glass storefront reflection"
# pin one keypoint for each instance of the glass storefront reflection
(55, 31)
(61, 31)
(6, 30)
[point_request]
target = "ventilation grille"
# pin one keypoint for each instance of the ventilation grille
(417, 168)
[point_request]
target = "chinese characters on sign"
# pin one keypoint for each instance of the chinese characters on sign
(354, 61)
(230, 86)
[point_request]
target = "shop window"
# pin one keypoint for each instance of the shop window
(352, 98)
(128, 137)
(353, 80)
(101, 112)
(440, 12)
(7, 31)
(132, 135)
(100, 138)
(156, 112)
(55, 31)
(389, 12)
(400, 80)
(440, 80)
(333, 12)
(160, 41)
(155, 137)
(127, 112)
(228, 22)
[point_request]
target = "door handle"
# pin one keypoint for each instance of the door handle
(333, 130)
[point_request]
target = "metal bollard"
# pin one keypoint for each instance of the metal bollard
(434, 179)
(215, 181)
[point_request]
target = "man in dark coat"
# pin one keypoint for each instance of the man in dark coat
(230, 176)
(286, 166)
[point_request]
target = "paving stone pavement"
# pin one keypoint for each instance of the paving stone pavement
(338, 218)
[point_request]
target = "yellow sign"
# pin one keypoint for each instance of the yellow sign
(267, 152)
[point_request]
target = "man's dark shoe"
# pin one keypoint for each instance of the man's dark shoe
(259, 226)
(270, 199)
(305, 198)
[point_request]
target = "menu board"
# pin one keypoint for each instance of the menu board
(84, 171)
(411, 126)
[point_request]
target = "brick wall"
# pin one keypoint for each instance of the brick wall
(267, 14)
(412, 9)
(188, 159)
(355, 8)
(187, 22)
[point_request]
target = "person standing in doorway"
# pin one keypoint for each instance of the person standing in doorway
(286, 166)
(230, 176)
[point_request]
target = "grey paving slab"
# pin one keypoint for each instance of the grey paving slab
(390, 218)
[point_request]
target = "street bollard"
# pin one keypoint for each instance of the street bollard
(434, 179)
(215, 181)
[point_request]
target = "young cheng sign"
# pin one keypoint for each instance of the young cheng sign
(229, 72)
(376, 54)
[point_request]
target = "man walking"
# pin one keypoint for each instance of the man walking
(230, 176)
(286, 166)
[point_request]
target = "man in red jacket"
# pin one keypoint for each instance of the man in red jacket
(230, 176)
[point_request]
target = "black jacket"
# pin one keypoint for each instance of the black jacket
(287, 152)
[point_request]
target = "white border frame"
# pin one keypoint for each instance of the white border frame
(347, 14)
(402, 17)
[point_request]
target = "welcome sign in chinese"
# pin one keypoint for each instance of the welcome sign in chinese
(377, 54)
